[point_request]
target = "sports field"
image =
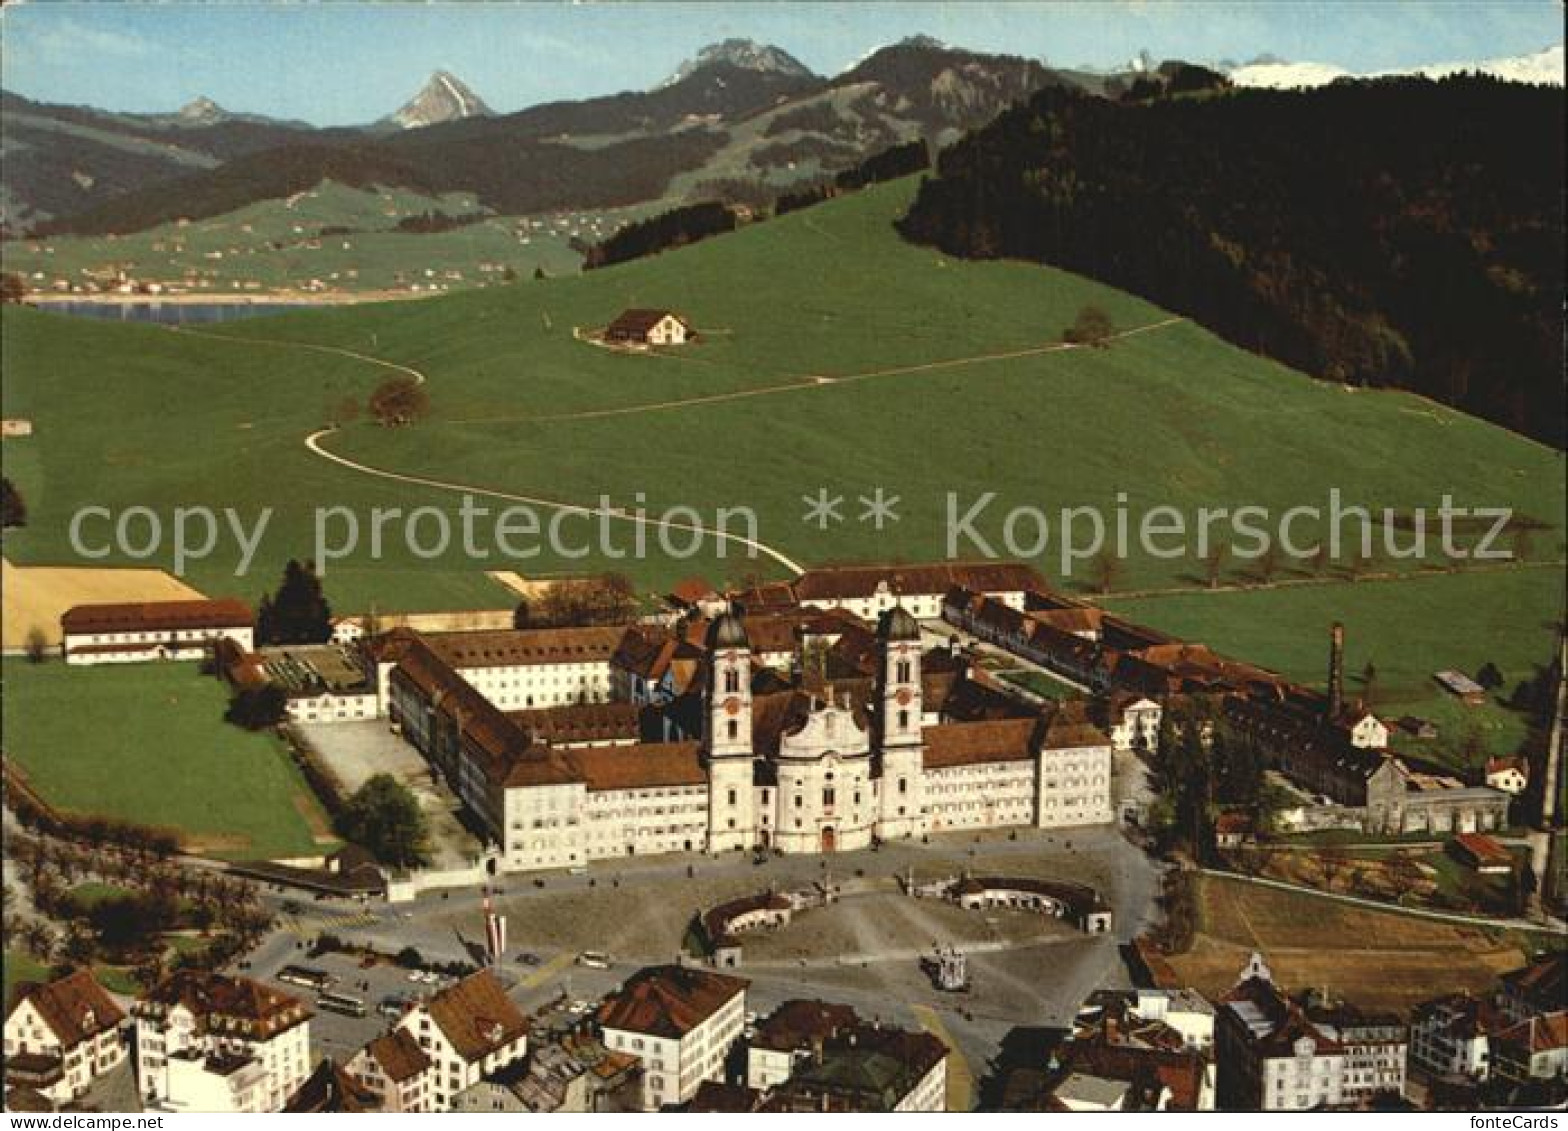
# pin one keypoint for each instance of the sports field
(147, 742)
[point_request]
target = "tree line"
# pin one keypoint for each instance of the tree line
(1402, 233)
(692, 222)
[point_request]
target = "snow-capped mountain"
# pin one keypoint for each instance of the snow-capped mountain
(443, 98)
(747, 55)
(1544, 66)
(202, 112)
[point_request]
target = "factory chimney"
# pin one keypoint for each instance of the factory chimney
(1336, 671)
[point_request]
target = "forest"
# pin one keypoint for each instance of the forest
(1400, 233)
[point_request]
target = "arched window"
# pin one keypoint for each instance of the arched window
(733, 728)
(903, 671)
(903, 720)
(732, 680)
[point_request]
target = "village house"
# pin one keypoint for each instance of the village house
(213, 1043)
(680, 1022)
(650, 328)
(331, 1090)
(397, 1071)
(1510, 774)
(1534, 990)
(574, 1073)
(1107, 1072)
(1450, 1037)
(1276, 1053)
(468, 1031)
(1461, 686)
(321, 683)
(1153, 1018)
(62, 1035)
(136, 631)
(822, 1056)
(866, 1068)
(1535, 1049)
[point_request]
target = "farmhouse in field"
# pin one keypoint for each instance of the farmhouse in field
(650, 328)
(134, 631)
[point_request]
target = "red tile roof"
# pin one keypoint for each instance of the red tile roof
(157, 616)
(399, 1055)
(217, 1000)
(476, 1016)
(668, 1001)
(74, 1007)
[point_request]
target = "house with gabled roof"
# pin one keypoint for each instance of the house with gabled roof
(397, 1071)
(650, 327)
(61, 1035)
(681, 1021)
(467, 1030)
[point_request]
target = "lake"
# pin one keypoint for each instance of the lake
(171, 313)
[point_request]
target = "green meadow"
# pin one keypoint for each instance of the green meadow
(866, 362)
(147, 743)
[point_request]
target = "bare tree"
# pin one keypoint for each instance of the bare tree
(37, 645)
(1106, 568)
(399, 400)
(1268, 564)
(1214, 565)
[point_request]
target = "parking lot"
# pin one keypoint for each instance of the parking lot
(357, 751)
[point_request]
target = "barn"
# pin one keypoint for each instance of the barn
(650, 328)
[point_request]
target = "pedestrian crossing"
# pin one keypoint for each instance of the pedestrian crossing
(309, 924)
(542, 974)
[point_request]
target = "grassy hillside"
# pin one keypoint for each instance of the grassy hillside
(1172, 415)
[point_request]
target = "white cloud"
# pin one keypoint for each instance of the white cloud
(65, 38)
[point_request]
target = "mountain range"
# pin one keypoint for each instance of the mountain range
(739, 118)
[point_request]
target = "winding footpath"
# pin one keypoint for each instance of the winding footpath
(313, 444)
(809, 382)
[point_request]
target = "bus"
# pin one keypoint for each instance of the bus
(307, 976)
(345, 1004)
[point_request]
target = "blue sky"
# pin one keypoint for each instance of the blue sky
(344, 63)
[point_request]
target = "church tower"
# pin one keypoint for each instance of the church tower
(900, 742)
(727, 737)
(899, 692)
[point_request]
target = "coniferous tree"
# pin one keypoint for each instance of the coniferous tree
(298, 613)
(13, 511)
